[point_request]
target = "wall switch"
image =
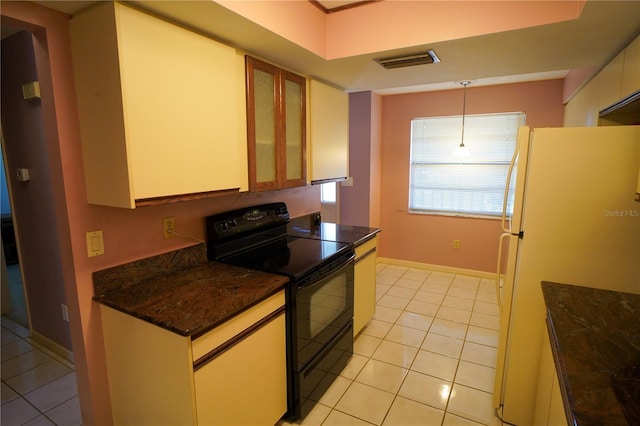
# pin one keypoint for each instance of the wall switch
(31, 90)
(65, 312)
(348, 182)
(169, 226)
(456, 244)
(95, 243)
(22, 174)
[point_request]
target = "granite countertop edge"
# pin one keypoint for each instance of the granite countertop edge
(372, 233)
(191, 332)
(175, 290)
(595, 346)
(350, 234)
(183, 292)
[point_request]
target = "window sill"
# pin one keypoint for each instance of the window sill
(455, 214)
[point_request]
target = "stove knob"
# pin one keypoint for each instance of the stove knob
(223, 226)
(233, 223)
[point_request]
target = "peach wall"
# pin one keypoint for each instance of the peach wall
(429, 238)
(574, 81)
(59, 114)
(393, 24)
(128, 234)
(298, 21)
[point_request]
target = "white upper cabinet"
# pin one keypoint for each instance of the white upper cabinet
(631, 69)
(161, 108)
(329, 133)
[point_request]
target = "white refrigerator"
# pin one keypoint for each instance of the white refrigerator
(575, 221)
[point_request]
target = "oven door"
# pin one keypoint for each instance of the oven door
(324, 306)
(321, 332)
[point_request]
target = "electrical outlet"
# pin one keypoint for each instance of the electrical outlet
(169, 226)
(456, 244)
(65, 312)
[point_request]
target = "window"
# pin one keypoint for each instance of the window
(328, 193)
(473, 185)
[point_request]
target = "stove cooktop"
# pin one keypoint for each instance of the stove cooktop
(327, 231)
(290, 256)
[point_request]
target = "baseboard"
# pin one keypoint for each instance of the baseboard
(52, 346)
(439, 268)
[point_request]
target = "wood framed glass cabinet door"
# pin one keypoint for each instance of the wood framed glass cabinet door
(276, 127)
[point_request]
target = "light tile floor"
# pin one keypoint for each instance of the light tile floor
(426, 358)
(38, 387)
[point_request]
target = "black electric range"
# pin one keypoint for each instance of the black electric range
(319, 298)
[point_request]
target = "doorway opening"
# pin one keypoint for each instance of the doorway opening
(13, 300)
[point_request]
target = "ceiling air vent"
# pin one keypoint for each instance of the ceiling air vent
(429, 57)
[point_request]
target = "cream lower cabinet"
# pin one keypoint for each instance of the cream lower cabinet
(247, 384)
(233, 375)
(549, 405)
(161, 108)
(364, 294)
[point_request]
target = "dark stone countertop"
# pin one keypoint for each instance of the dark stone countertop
(182, 291)
(302, 227)
(595, 339)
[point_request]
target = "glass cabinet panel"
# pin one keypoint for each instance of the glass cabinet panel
(276, 125)
(294, 129)
(265, 130)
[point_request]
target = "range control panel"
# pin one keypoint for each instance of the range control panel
(236, 223)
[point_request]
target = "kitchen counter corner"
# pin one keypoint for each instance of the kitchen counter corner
(351, 234)
(182, 291)
(595, 343)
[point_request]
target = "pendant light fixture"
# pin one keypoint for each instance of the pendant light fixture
(461, 150)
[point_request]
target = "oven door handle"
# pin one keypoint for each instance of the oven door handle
(325, 272)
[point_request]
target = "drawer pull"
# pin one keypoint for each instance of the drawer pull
(216, 352)
(367, 254)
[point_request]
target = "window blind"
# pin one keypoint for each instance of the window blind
(473, 185)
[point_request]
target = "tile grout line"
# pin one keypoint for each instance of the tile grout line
(464, 340)
(51, 357)
(395, 397)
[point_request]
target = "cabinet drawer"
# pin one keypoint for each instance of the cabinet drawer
(203, 345)
(246, 385)
(366, 247)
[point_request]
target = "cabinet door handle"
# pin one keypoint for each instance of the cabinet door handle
(216, 352)
(367, 254)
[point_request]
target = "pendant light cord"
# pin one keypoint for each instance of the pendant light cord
(464, 107)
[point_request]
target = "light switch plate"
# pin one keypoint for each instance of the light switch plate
(22, 174)
(348, 182)
(31, 90)
(95, 243)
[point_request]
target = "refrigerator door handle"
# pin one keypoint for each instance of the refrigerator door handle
(498, 268)
(503, 221)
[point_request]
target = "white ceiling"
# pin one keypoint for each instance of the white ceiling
(549, 51)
